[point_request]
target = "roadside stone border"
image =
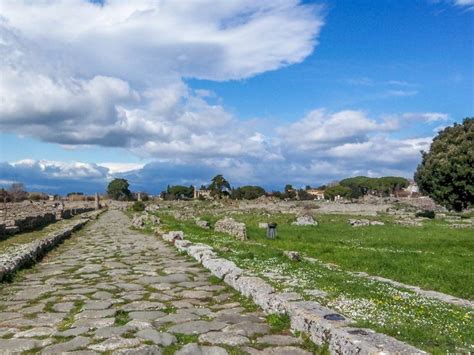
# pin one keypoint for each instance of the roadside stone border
(323, 325)
(28, 254)
(461, 302)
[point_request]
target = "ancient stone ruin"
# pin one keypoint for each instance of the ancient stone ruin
(305, 220)
(230, 226)
(27, 215)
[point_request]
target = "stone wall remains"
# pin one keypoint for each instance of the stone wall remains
(230, 226)
(26, 216)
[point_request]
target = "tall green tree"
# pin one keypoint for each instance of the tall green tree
(118, 190)
(446, 172)
(219, 186)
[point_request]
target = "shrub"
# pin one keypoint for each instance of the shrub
(138, 206)
(426, 214)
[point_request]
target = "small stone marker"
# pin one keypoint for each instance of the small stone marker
(271, 230)
(97, 202)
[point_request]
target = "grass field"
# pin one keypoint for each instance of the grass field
(433, 256)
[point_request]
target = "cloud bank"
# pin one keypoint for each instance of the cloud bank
(114, 75)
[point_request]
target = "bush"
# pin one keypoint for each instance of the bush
(138, 206)
(426, 214)
(37, 196)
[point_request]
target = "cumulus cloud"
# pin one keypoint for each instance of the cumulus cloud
(113, 74)
(320, 130)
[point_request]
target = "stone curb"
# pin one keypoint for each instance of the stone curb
(323, 325)
(27, 254)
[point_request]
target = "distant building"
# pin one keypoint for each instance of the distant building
(317, 194)
(205, 194)
(412, 189)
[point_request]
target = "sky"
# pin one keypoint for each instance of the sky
(266, 93)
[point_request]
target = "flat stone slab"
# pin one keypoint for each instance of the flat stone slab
(35, 332)
(197, 327)
(19, 345)
(73, 344)
(195, 349)
(164, 339)
(279, 340)
(224, 338)
(115, 343)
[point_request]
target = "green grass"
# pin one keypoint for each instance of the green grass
(67, 322)
(121, 317)
(433, 257)
(278, 323)
(426, 323)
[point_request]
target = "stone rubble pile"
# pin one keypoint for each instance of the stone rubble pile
(202, 223)
(173, 236)
(364, 222)
(305, 220)
(230, 226)
(25, 216)
(409, 222)
(293, 255)
(139, 221)
(152, 208)
(323, 325)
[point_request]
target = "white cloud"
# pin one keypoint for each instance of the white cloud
(115, 168)
(464, 2)
(320, 130)
(400, 93)
(427, 116)
(113, 75)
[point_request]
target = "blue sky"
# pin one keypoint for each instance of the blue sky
(268, 93)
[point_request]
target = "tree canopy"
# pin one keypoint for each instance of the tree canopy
(219, 186)
(446, 172)
(118, 190)
(383, 186)
(177, 192)
(339, 190)
(247, 192)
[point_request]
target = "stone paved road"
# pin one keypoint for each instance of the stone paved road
(110, 289)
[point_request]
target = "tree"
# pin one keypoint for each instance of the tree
(17, 192)
(304, 195)
(290, 192)
(446, 172)
(331, 192)
(118, 190)
(383, 186)
(247, 192)
(178, 192)
(219, 186)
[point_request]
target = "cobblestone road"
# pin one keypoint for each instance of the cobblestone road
(111, 289)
